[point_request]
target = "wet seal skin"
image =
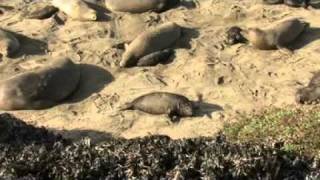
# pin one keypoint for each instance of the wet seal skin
(152, 40)
(279, 36)
(174, 105)
(9, 44)
(311, 93)
(76, 9)
(40, 88)
(234, 36)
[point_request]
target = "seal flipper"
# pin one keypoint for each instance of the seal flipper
(44, 13)
(126, 106)
(285, 50)
(173, 115)
(155, 58)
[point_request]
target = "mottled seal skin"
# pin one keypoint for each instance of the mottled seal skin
(311, 93)
(279, 36)
(40, 88)
(234, 36)
(139, 6)
(9, 44)
(43, 13)
(162, 103)
(152, 40)
(155, 58)
(76, 9)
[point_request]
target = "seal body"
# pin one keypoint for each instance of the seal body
(311, 93)
(76, 9)
(152, 40)
(40, 88)
(9, 44)
(162, 103)
(155, 58)
(278, 36)
(135, 6)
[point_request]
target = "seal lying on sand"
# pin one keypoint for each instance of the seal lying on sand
(311, 93)
(76, 9)
(292, 3)
(173, 105)
(9, 44)
(139, 6)
(278, 36)
(40, 88)
(150, 41)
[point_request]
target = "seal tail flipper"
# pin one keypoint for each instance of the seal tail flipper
(126, 106)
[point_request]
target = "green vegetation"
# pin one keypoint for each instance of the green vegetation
(298, 129)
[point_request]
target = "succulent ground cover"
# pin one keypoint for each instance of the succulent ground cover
(35, 153)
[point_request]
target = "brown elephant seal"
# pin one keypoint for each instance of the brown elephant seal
(292, 3)
(234, 36)
(155, 58)
(152, 40)
(40, 88)
(278, 36)
(9, 44)
(173, 105)
(139, 6)
(311, 93)
(76, 9)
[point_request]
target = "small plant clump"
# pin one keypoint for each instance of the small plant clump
(296, 130)
(154, 157)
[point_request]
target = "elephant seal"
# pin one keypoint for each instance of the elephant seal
(152, 40)
(76, 9)
(40, 88)
(42, 12)
(9, 44)
(234, 36)
(311, 93)
(139, 6)
(173, 105)
(292, 3)
(155, 58)
(278, 36)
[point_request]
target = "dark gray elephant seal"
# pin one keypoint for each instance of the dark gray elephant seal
(40, 88)
(155, 58)
(173, 105)
(311, 93)
(279, 36)
(9, 44)
(139, 6)
(152, 40)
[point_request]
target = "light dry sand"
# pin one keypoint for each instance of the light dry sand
(232, 80)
